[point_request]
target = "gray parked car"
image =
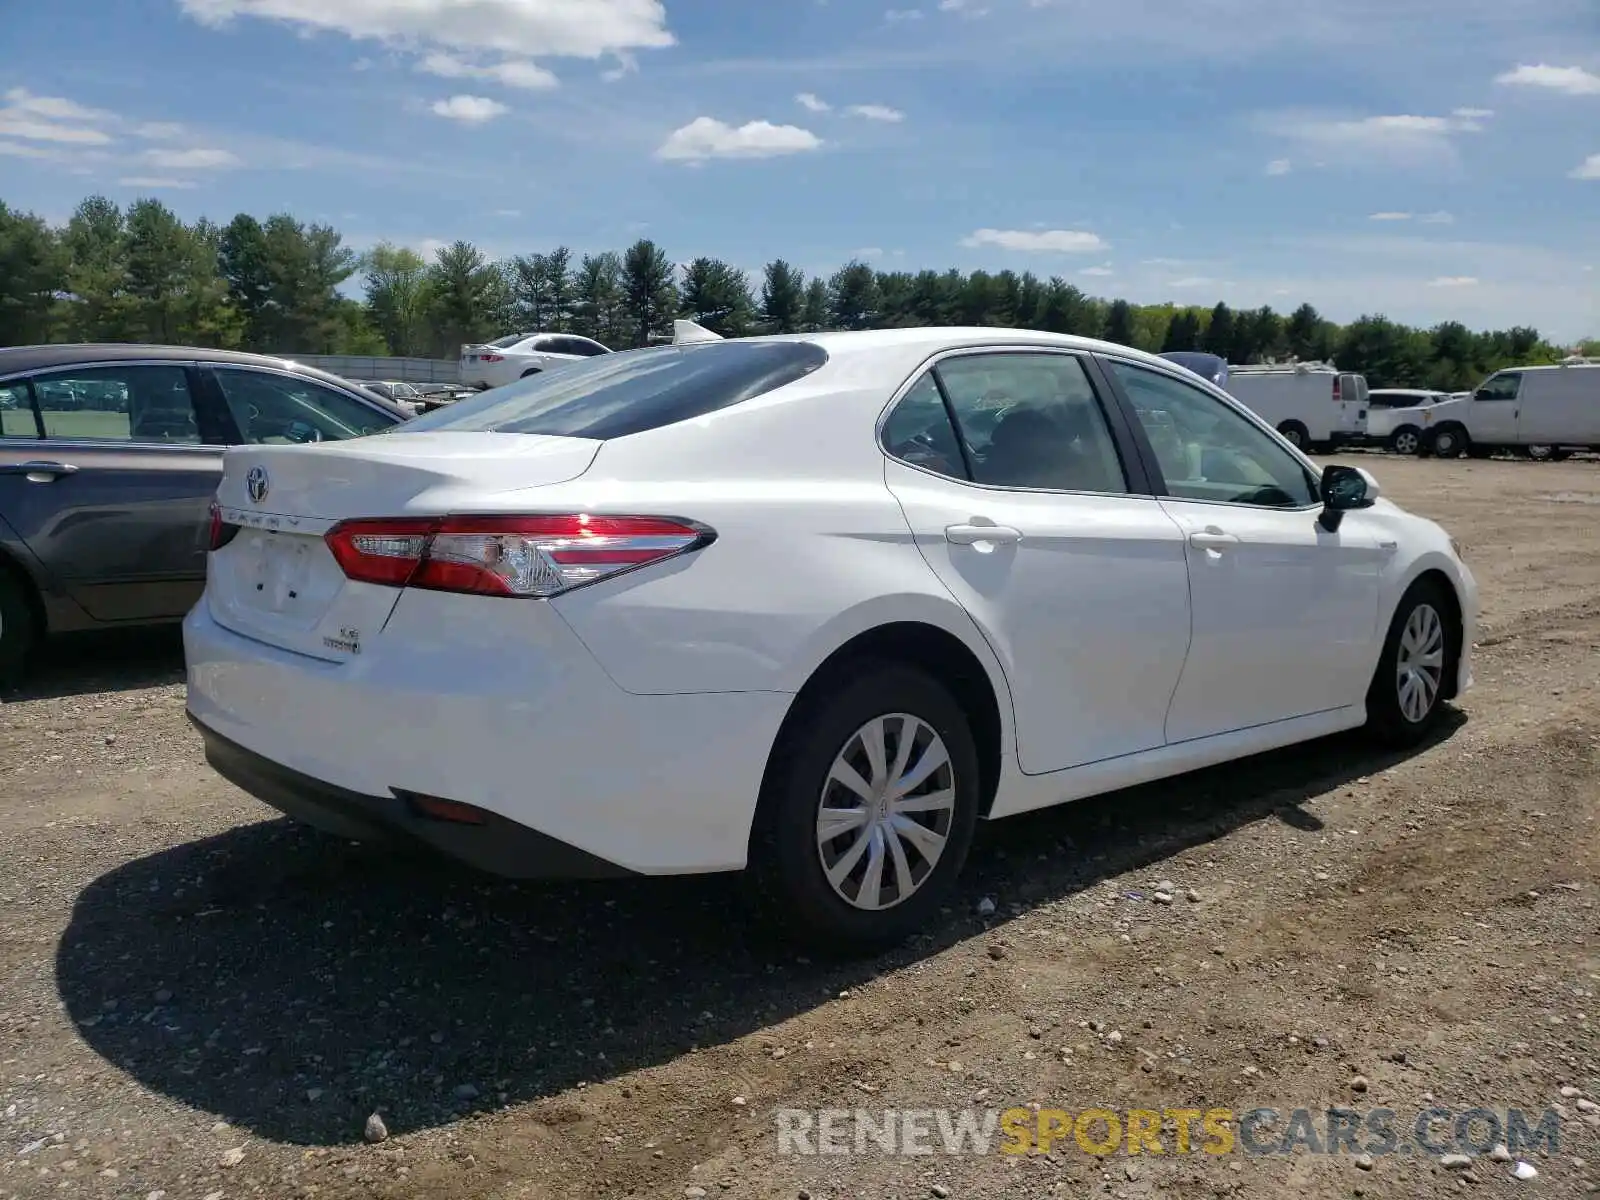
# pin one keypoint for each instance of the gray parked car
(109, 457)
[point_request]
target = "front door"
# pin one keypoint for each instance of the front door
(112, 498)
(1492, 419)
(1285, 613)
(1024, 511)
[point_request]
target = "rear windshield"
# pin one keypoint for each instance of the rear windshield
(613, 395)
(511, 339)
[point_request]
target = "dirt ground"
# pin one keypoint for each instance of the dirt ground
(199, 1001)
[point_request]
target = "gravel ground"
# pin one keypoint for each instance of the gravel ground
(197, 1000)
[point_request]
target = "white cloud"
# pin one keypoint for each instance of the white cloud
(895, 15)
(1390, 216)
(20, 125)
(964, 7)
(1058, 241)
(812, 103)
(706, 137)
(513, 28)
(159, 131)
(515, 73)
(876, 112)
(52, 108)
(1404, 139)
(1279, 166)
(154, 182)
(869, 252)
(1191, 281)
(1437, 218)
(1573, 81)
(508, 212)
(1589, 168)
(41, 119)
(473, 110)
(1098, 272)
(1453, 281)
(627, 65)
(191, 160)
(19, 150)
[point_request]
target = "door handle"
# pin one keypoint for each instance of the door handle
(39, 471)
(967, 535)
(1212, 539)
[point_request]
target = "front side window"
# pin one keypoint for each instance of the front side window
(1207, 451)
(273, 410)
(118, 404)
(16, 411)
(613, 395)
(1503, 386)
(1032, 421)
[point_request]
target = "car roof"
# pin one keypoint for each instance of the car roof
(17, 360)
(932, 338)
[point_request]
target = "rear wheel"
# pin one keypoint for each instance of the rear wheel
(1295, 434)
(530, 371)
(17, 628)
(1406, 693)
(1406, 440)
(1546, 453)
(868, 810)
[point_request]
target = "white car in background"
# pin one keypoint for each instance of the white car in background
(522, 354)
(811, 605)
(1399, 419)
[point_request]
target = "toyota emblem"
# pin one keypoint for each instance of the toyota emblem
(256, 484)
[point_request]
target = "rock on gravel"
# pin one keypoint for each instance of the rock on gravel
(376, 1130)
(1455, 1162)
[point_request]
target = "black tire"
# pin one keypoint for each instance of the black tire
(786, 859)
(1543, 452)
(1296, 434)
(1387, 719)
(1406, 440)
(1450, 441)
(18, 629)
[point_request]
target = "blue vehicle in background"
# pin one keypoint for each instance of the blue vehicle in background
(1210, 367)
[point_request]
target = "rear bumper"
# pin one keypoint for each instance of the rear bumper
(497, 845)
(498, 705)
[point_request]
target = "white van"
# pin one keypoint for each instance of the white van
(1543, 412)
(1314, 405)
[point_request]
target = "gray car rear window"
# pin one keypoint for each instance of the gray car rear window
(613, 395)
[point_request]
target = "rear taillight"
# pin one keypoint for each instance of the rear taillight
(1337, 396)
(221, 532)
(528, 556)
(491, 358)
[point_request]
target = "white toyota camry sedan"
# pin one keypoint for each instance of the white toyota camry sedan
(811, 605)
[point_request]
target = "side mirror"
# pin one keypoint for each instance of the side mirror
(1342, 489)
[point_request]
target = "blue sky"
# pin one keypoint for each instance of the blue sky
(1431, 159)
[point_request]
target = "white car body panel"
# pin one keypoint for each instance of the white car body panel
(1552, 406)
(513, 362)
(633, 718)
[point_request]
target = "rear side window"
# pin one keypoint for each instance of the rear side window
(614, 395)
(16, 412)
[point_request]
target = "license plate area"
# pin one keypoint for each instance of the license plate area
(286, 576)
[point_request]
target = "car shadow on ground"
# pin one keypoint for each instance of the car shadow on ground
(120, 660)
(291, 984)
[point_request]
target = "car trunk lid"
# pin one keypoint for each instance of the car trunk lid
(275, 579)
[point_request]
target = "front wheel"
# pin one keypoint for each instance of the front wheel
(1406, 440)
(868, 810)
(1449, 442)
(1295, 434)
(1406, 694)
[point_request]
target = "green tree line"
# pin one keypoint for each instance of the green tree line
(278, 285)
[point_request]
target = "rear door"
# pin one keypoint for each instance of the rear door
(111, 491)
(1064, 560)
